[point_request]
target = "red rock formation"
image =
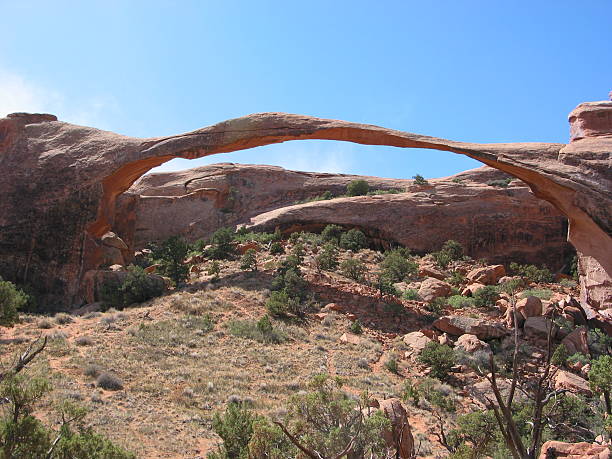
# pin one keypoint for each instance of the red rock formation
(501, 224)
(60, 182)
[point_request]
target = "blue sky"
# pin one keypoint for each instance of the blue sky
(484, 71)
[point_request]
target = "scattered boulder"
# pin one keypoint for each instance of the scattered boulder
(583, 450)
(430, 271)
(432, 288)
(538, 327)
(416, 341)
(577, 341)
(472, 288)
(489, 275)
(243, 248)
(400, 437)
(460, 325)
(350, 338)
(470, 344)
(573, 383)
(529, 307)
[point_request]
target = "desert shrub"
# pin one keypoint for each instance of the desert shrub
(86, 444)
(235, 427)
(356, 328)
(384, 285)
(222, 246)
(439, 395)
(419, 180)
(439, 357)
(542, 293)
(479, 430)
(560, 355)
(11, 300)
(453, 249)
(460, 302)
(93, 370)
(442, 259)
(280, 304)
(486, 296)
(84, 341)
(532, 273)
(357, 188)
(332, 233)
(391, 365)
(62, 318)
(269, 441)
(242, 235)
(411, 392)
(353, 240)
(568, 283)
(456, 278)
(109, 381)
(327, 259)
(411, 295)
(249, 260)
(577, 358)
(170, 255)
(137, 287)
(298, 252)
(353, 269)
(276, 248)
(262, 331)
(436, 306)
(599, 342)
(45, 323)
(600, 378)
(397, 266)
(574, 419)
(214, 269)
(500, 183)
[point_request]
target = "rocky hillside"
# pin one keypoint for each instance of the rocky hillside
(491, 215)
(422, 340)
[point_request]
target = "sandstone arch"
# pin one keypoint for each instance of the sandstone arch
(61, 181)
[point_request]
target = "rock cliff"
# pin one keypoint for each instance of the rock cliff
(501, 224)
(60, 184)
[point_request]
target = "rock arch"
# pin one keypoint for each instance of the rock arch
(61, 182)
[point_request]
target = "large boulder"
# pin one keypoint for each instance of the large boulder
(539, 327)
(571, 382)
(489, 275)
(583, 450)
(471, 344)
(577, 341)
(432, 288)
(529, 307)
(416, 341)
(400, 437)
(461, 325)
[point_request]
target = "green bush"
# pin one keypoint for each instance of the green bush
(235, 427)
(262, 238)
(532, 273)
(439, 395)
(486, 296)
(460, 302)
(353, 269)
(276, 248)
(327, 259)
(384, 285)
(397, 267)
(356, 328)
(357, 188)
(281, 304)
(560, 355)
(442, 259)
(262, 330)
(222, 242)
(332, 233)
(391, 365)
(353, 240)
(411, 295)
(439, 357)
(577, 358)
(478, 429)
(249, 260)
(453, 249)
(170, 255)
(501, 183)
(542, 293)
(11, 299)
(419, 180)
(600, 378)
(137, 287)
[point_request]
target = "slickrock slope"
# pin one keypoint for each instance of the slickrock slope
(60, 183)
(501, 224)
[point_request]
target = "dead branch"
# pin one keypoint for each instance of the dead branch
(25, 358)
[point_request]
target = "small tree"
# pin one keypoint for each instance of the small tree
(384, 284)
(327, 260)
(353, 240)
(137, 287)
(419, 180)
(276, 248)
(171, 255)
(11, 299)
(222, 244)
(397, 267)
(332, 233)
(357, 188)
(249, 260)
(439, 357)
(353, 269)
(214, 269)
(486, 296)
(600, 378)
(235, 427)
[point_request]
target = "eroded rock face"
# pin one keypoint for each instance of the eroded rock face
(60, 183)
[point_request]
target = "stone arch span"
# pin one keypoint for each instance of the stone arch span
(84, 168)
